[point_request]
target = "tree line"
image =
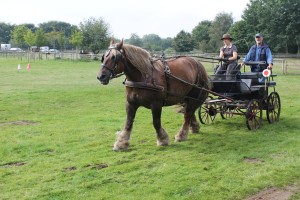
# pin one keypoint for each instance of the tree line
(277, 20)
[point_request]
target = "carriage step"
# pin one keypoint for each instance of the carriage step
(269, 84)
(217, 100)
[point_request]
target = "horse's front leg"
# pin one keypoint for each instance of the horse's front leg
(123, 137)
(162, 136)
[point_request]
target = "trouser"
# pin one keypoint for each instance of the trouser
(228, 69)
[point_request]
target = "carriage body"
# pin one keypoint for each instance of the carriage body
(242, 94)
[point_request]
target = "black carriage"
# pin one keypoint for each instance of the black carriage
(242, 93)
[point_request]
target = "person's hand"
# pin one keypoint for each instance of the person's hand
(270, 66)
(225, 59)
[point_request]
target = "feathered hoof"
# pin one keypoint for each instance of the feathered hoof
(180, 138)
(164, 142)
(195, 130)
(121, 146)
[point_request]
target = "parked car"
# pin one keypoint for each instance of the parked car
(16, 49)
(44, 49)
(34, 49)
(53, 51)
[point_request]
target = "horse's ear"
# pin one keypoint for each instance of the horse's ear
(121, 44)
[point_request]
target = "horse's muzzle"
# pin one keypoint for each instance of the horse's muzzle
(103, 79)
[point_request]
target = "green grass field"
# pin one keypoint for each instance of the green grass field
(58, 125)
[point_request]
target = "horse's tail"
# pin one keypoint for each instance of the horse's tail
(203, 79)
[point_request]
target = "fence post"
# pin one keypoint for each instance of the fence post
(283, 67)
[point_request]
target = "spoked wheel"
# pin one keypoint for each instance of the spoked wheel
(207, 112)
(273, 107)
(226, 111)
(253, 115)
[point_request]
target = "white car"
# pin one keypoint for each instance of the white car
(53, 51)
(16, 49)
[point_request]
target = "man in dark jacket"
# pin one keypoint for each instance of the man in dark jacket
(260, 52)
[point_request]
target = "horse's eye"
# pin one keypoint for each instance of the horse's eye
(113, 57)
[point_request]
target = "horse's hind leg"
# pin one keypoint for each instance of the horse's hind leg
(189, 121)
(194, 124)
(123, 137)
(162, 136)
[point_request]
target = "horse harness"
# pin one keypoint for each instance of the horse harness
(153, 86)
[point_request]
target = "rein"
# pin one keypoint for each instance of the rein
(200, 88)
(158, 88)
(149, 86)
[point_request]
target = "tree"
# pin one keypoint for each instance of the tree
(5, 32)
(166, 43)
(18, 35)
(30, 26)
(277, 20)
(76, 38)
(30, 38)
(152, 41)
(243, 38)
(57, 26)
(62, 40)
(200, 35)
(183, 42)
(52, 38)
(40, 37)
(96, 34)
(135, 40)
(220, 25)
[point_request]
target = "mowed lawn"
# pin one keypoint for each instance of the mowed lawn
(58, 125)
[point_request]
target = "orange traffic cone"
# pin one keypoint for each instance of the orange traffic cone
(28, 66)
(19, 67)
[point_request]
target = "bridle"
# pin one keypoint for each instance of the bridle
(116, 62)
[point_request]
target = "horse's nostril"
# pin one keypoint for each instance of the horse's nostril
(102, 77)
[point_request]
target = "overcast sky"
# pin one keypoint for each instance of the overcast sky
(165, 18)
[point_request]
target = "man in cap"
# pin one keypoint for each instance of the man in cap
(228, 54)
(260, 52)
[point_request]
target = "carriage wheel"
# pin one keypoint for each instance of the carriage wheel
(273, 107)
(226, 111)
(253, 115)
(207, 112)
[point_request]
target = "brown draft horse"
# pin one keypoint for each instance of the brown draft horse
(153, 84)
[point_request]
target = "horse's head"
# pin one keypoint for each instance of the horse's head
(112, 64)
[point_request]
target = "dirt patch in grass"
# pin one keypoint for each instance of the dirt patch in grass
(13, 164)
(20, 122)
(97, 166)
(253, 160)
(67, 169)
(275, 194)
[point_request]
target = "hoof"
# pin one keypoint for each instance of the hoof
(193, 131)
(180, 138)
(164, 142)
(162, 138)
(194, 128)
(121, 146)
